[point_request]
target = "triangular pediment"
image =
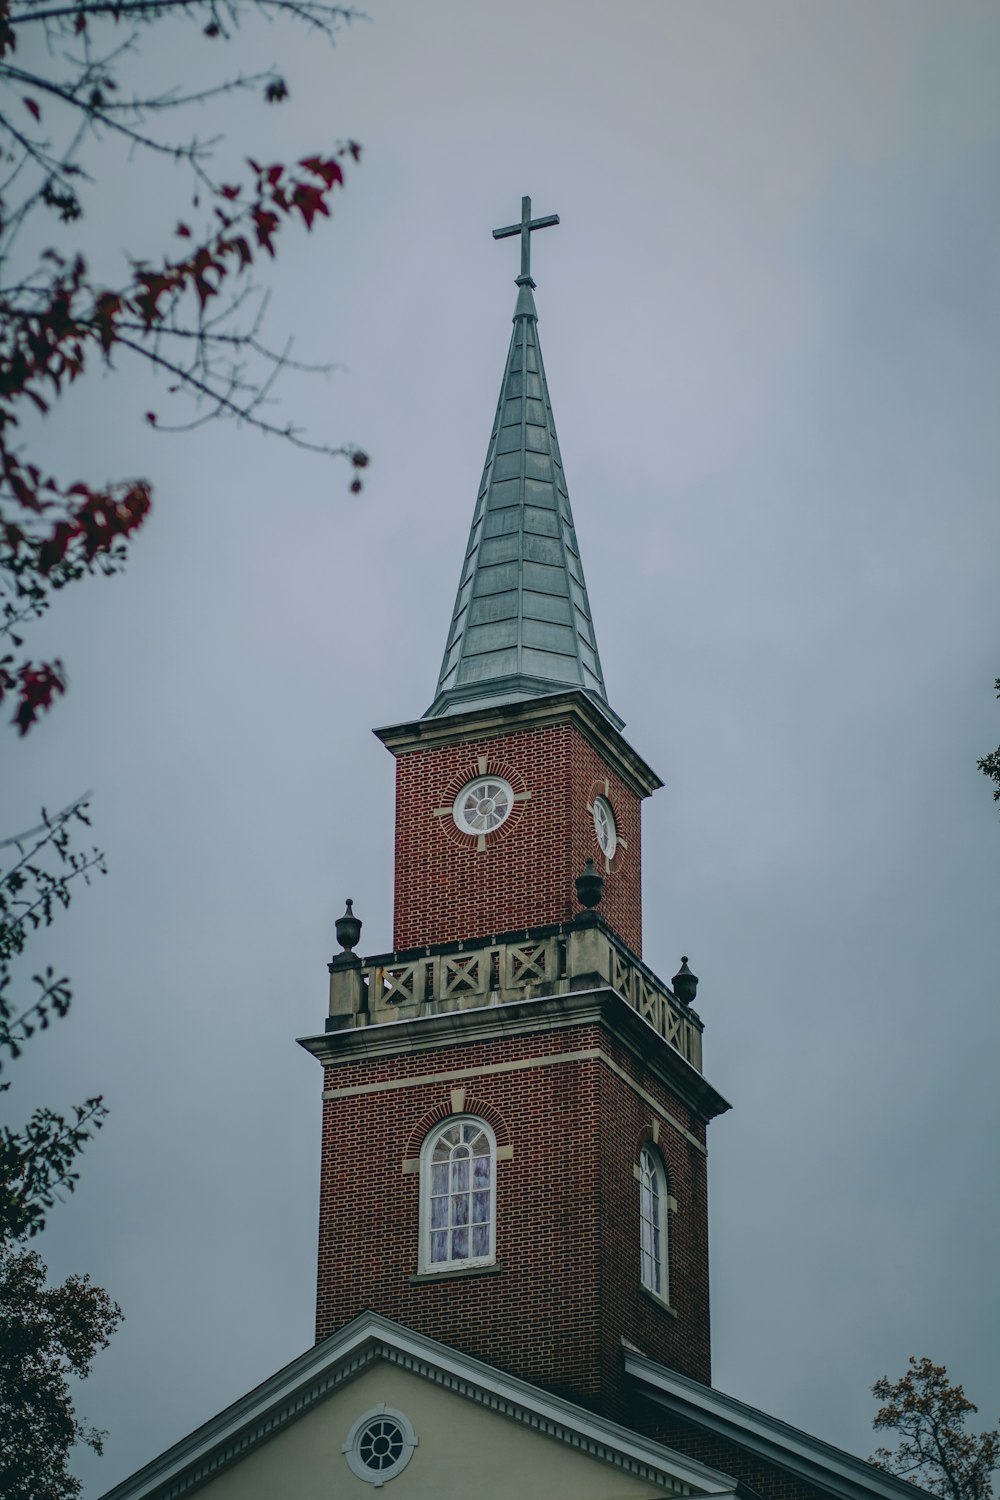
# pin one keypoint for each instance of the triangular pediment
(448, 1426)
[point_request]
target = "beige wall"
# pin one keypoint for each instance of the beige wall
(465, 1452)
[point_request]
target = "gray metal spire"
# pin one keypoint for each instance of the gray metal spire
(521, 626)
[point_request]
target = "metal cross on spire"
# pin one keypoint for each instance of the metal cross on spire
(524, 229)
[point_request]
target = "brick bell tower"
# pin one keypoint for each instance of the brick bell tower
(514, 1156)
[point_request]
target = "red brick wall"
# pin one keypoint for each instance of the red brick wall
(567, 1213)
(626, 1119)
(447, 889)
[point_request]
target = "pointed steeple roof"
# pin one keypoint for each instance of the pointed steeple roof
(521, 626)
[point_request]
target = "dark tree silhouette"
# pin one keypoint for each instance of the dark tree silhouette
(193, 314)
(990, 764)
(934, 1450)
(45, 1333)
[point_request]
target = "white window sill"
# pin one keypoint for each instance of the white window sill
(456, 1273)
(658, 1301)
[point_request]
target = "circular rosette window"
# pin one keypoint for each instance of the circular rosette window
(484, 802)
(483, 805)
(379, 1445)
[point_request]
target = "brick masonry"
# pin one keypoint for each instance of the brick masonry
(568, 1286)
(447, 888)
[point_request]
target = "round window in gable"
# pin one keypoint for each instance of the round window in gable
(482, 805)
(379, 1445)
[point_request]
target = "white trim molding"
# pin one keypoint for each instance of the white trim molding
(830, 1469)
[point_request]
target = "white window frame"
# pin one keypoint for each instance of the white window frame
(605, 820)
(483, 785)
(654, 1272)
(351, 1449)
(425, 1265)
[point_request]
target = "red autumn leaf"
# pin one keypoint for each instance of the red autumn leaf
(151, 418)
(80, 24)
(265, 223)
(137, 504)
(33, 109)
(39, 685)
(309, 202)
(329, 170)
(183, 231)
(53, 549)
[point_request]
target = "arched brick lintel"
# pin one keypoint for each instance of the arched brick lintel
(473, 1105)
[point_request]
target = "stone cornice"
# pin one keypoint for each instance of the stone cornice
(601, 1005)
(505, 718)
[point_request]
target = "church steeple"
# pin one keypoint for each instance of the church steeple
(521, 626)
(507, 1030)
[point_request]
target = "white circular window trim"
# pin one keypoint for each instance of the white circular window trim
(483, 804)
(380, 1444)
(605, 827)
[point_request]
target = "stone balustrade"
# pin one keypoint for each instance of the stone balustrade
(557, 960)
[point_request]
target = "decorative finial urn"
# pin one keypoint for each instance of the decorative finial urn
(684, 983)
(589, 885)
(348, 929)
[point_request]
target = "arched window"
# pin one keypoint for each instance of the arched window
(458, 1195)
(653, 1222)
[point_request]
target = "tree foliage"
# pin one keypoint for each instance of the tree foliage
(990, 764)
(73, 83)
(46, 1333)
(934, 1450)
(193, 314)
(37, 1162)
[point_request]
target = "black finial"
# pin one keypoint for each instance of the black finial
(348, 928)
(589, 885)
(685, 984)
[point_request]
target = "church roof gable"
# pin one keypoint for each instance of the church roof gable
(317, 1374)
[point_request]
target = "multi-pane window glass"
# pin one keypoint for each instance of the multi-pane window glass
(381, 1444)
(605, 827)
(652, 1223)
(483, 805)
(459, 1185)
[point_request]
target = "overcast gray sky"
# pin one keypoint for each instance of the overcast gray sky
(770, 325)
